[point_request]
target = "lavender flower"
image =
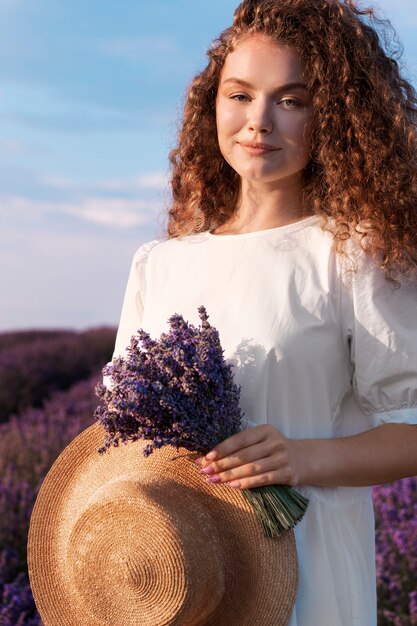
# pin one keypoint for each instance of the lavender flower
(33, 370)
(17, 606)
(396, 552)
(29, 444)
(179, 390)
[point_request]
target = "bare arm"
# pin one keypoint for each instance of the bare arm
(380, 455)
(262, 455)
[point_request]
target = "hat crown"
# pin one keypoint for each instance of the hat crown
(152, 543)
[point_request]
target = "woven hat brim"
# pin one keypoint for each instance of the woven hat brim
(261, 574)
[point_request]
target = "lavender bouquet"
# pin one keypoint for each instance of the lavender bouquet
(178, 390)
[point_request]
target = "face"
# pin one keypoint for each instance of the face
(264, 113)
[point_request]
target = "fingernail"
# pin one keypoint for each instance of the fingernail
(234, 484)
(199, 460)
(214, 479)
(211, 455)
(207, 470)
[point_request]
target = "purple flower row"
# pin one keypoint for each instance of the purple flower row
(31, 371)
(29, 444)
(396, 552)
(17, 607)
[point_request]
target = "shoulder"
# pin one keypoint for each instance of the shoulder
(161, 246)
(165, 250)
(144, 250)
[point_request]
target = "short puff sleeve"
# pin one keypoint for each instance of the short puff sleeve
(380, 326)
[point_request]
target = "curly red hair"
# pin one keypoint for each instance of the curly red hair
(363, 171)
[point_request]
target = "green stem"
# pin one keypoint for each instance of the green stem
(278, 507)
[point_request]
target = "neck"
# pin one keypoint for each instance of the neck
(262, 207)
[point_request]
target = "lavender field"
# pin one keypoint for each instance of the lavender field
(47, 381)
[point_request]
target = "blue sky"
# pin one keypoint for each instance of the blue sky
(90, 96)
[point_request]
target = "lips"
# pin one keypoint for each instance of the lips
(261, 146)
(257, 148)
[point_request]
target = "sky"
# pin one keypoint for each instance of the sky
(90, 99)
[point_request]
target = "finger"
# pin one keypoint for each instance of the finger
(260, 480)
(260, 466)
(275, 476)
(241, 457)
(236, 442)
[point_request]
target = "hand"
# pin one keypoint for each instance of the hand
(253, 458)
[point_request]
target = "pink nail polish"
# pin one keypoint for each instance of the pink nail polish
(207, 470)
(211, 455)
(234, 484)
(214, 479)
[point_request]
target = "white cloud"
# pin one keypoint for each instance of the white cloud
(118, 213)
(157, 181)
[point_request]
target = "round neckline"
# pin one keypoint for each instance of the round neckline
(294, 226)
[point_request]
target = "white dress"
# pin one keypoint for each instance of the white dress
(318, 352)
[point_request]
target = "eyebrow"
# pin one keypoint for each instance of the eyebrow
(244, 83)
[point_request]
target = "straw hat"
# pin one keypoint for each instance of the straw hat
(120, 540)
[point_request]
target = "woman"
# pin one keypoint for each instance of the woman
(294, 221)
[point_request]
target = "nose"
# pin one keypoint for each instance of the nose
(260, 117)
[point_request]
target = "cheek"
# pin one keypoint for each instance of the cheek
(228, 122)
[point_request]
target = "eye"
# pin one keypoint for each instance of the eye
(291, 103)
(240, 97)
